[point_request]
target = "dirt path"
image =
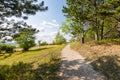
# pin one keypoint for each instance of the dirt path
(75, 67)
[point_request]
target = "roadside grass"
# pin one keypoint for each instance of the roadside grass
(104, 58)
(109, 41)
(40, 63)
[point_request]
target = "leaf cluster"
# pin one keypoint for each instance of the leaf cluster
(20, 8)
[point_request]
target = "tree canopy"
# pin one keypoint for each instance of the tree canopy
(13, 29)
(20, 8)
(26, 40)
(99, 16)
(59, 39)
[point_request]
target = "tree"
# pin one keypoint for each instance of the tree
(39, 42)
(102, 12)
(77, 12)
(26, 40)
(94, 14)
(14, 29)
(114, 8)
(20, 8)
(44, 43)
(17, 8)
(59, 39)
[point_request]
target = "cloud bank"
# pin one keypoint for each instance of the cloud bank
(48, 31)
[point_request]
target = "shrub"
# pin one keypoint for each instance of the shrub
(26, 40)
(25, 71)
(59, 39)
(43, 43)
(2, 47)
(109, 41)
(7, 48)
(20, 71)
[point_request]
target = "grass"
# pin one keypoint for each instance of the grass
(45, 62)
(104, 58)
(36, 55)
(109, 41)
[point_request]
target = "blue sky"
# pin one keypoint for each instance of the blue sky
(48, 22)
(54, 12)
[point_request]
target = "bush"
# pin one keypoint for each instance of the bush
(26, 71)
(43, 43)
(7, 48)
(109, 41)
(59, 39)
(20, 71)
(26, 40)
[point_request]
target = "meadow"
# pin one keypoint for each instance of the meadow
(39, 63)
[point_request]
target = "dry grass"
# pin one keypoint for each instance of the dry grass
(104, 58)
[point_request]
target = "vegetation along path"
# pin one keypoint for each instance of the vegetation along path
(75, 67)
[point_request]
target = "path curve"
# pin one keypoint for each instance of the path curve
(75, 67)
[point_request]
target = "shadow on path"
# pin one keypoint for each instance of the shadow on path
(75, 67)
(112, 71)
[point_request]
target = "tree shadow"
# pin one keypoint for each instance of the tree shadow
(48, 71)
(39, 49)
(6, 56)
(25, 71)
(109, 66)
(20, 71)
(78, 69)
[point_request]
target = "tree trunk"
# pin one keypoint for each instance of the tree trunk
(102, 29)
(96, 36)
(118, 28)
(96, 30)
(83, 38)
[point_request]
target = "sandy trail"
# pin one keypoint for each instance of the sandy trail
(75, 67)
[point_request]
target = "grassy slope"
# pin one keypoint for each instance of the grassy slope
(45, 61)
(37, 55)
(104, 58)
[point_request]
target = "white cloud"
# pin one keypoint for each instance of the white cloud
(52, 24)
(48, 31)
(54, 21)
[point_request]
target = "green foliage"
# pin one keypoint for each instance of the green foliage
(19, 8)
(99, 16)
(46, 70)
(39, 42)
(109, 41)
(15, 29)
(59, 39)
(7, 48)
(20, 71)
(25, 71)
(43, 43)
(26, 40)
(76, 12)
